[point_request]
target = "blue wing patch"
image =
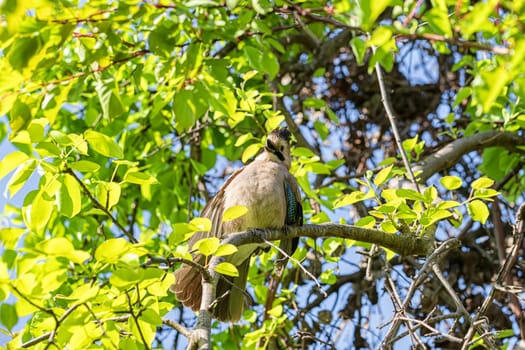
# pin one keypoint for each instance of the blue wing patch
(291, 210)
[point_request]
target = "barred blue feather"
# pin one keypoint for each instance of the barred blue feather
(291, 210)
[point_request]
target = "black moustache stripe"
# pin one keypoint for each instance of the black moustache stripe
(270, 147)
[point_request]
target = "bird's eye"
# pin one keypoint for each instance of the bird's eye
(282, 148)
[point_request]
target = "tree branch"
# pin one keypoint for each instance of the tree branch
(385, 98)
(451, 153)
(402, 244)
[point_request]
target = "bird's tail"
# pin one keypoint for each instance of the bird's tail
(187, 287)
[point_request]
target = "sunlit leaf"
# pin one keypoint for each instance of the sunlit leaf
(367, 221)
(139, 178)
(351, 198)
(41, 210)
(126, 277)
(11, 161)
(108, 193)
(103, 144)
(225, 249)
(234, 212)
(227, 269)
(111, 250)
(201, 224)
(70, 199)
(84, 166)
(478, 211)
(8, 316)
(382, 175)
(451, 182)
(207, 246)
(250, 151)
(482, 182)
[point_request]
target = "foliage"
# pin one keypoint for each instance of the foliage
(120, 118)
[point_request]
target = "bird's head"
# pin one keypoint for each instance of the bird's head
(278, 146)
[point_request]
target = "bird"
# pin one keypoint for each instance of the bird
(272, 196)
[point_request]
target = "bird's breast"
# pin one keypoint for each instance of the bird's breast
(260, 188)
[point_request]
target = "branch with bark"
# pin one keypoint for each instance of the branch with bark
(451, 153)
(403, 244)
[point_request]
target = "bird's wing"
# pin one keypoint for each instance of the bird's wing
(213, 211)
(294, 204)
(294, 212)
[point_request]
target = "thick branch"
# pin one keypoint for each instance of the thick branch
(451, 153)
(403, 244)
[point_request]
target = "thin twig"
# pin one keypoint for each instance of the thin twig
(136, 319)
(98, 205)
(433, 258)
(177, 326)
(479, 318)
(298, 263)
(385, 97)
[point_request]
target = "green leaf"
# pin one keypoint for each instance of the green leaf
(8, 316)
(367, 221)
(136, 177)
(262, 60)
(250, 151)
(227, 269)
(383, 175)
(302, 152)
(328, 277)
(151, 317)
(320, 218)
(80, 144)
(126, 277)
(359, 48)
(410, 194)
(207, 246)
(103, 144)
(36, 129)
(270, 63)
(485, 193)
(69, 199)
(201, 224)
(438, 20)
(185, 110)
(58, 246)
(482, 182)
(410, 144)
(380, 36)
(447, 204)
(108, 193)
(111, 250)
(351, 198)
(478, 211)
(434, 216)
(388, 226)
(371, 10)
(231, 4)
(84, 166)
(11, 161)
(234, 212)
(25, 47)
(276, 311)
(451, 182)
(109, 98)
(226, 249)
(273, 120)
(41, 210)
(9, 236)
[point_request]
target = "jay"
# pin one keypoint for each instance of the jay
(271, 195)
